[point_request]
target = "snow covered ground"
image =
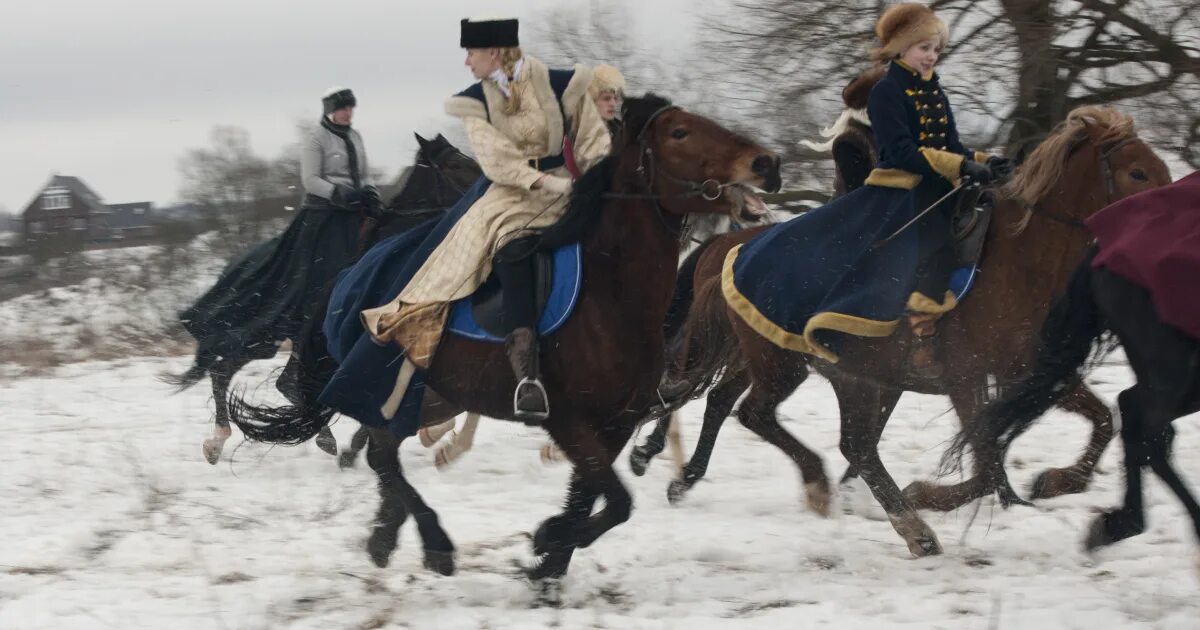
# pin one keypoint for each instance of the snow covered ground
(111, 518)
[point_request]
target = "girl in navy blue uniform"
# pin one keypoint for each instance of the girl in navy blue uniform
(843, 280)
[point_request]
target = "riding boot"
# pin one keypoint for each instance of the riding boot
(530, 404)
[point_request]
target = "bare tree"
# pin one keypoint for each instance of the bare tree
(244, 196)
(1016, 67)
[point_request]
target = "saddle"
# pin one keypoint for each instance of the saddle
(487, 304)
(972, 216)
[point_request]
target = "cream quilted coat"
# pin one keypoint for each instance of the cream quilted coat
(510, 209)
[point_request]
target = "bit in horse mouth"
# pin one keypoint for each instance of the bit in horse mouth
(747, 205)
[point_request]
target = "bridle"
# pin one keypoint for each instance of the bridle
(650, 170)
(1110, 187)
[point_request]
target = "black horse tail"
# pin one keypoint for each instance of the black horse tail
(1068, 335)
(704, 347)
(685, 290)
(307, 373)
(200, 366)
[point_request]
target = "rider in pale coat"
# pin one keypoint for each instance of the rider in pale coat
(517, 130)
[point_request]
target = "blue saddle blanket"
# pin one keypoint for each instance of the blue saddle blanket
(564, 293)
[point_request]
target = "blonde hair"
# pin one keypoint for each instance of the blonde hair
(508, 63)
(1036, 178)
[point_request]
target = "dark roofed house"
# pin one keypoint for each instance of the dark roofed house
(67, 206)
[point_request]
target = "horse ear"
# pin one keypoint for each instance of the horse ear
(636, 112)
(441, 138)
(421, 141)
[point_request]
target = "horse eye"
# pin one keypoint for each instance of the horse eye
(1139, 175)
(679, 134)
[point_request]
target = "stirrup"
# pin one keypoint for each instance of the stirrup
(530, 416)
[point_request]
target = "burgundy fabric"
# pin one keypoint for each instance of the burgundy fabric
(1153, 239)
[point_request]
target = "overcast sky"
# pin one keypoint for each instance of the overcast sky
(114, 91)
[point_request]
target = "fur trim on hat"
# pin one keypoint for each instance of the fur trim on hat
(905, 24)
(606, 78)
(858, 92)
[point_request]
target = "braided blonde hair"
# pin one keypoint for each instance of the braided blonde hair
(508, 63)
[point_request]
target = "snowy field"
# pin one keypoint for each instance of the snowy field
(112, 519)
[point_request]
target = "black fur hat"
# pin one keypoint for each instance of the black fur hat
(337, 98)
(489, 33)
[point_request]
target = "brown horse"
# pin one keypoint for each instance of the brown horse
(604, 365)
(1093, 158)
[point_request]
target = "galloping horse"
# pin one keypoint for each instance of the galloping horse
(437, 179)
(1150, 238)
(1091, 159)
(603, 367)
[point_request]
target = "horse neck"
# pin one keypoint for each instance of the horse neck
(1040, 258)
(634, 250)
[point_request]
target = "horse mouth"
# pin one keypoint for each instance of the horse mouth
(747, 205)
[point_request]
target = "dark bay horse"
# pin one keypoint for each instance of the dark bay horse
(1165, 360)
(603, 367)
(436, 180)
(1092, 158)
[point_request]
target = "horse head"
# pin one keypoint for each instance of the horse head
(693, 165)
(1090, 160)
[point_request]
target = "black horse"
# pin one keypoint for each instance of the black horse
(1165, 360)
(438, 177)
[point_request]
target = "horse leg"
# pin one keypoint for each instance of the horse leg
(325, 441)
(1075, 478)
(383, 455)
(1129, 519)
(550, 453)
(860, 404)
(347, 458)
(855, 497)
(757, 413)
(640, 455)
(221, 373)
(719, 403)
(398, 499)
(550, 540)
(923, 495)
(430, 435)
(458, 444)
(557, 537)
(1160, 463)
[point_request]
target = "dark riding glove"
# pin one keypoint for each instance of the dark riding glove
(372, 204)
(1001, 167)
(346, 198)
(976, 172)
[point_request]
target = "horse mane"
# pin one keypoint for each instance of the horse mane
(587, 196)
(1043, 169)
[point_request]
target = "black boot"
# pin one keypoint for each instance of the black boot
(530, 404)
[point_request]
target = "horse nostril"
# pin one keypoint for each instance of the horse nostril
(764, 165)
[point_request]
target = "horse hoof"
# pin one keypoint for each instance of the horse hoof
(327, 443)
(1057, 482)
(212, 450)
(676, 491)
(639, 460)
(925, 546)
(347, 459)
(380, 547)
(440, 562)
(1009, 497)
(1097, 535)
(818, 495)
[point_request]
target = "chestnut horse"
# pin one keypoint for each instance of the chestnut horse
(603, 367)
(1092, 159)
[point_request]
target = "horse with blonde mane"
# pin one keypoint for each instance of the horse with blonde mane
(1091, 159)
